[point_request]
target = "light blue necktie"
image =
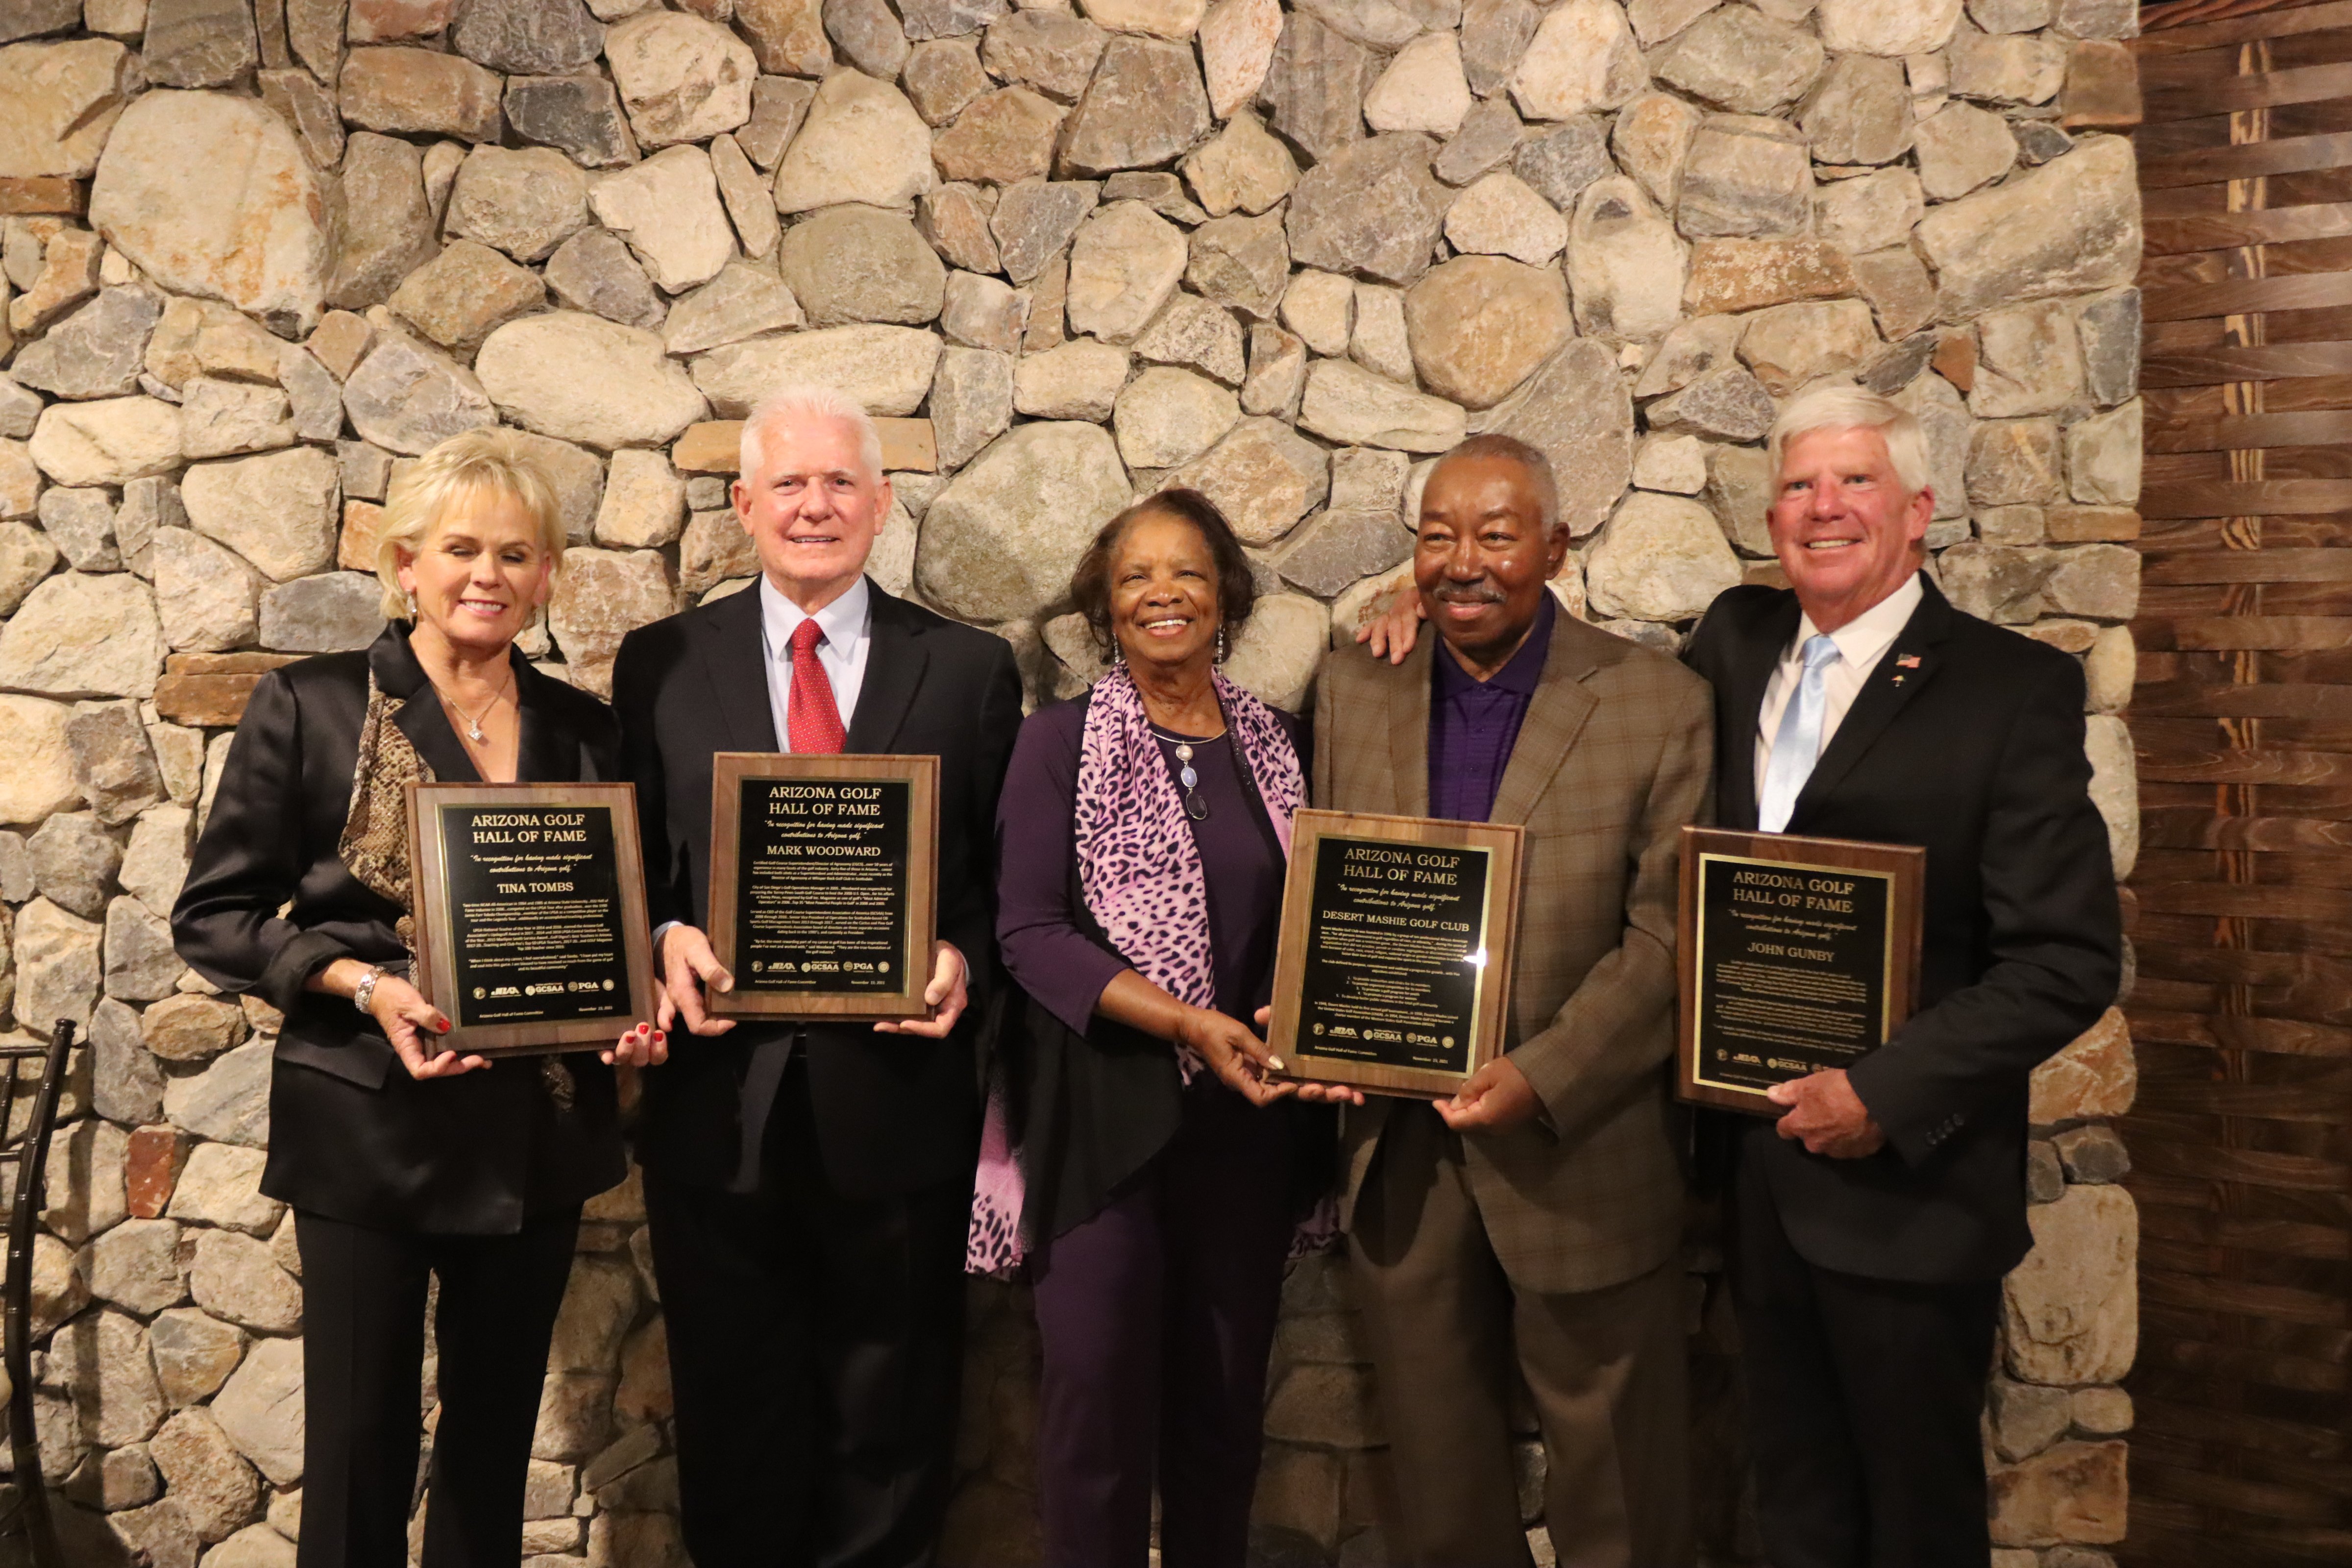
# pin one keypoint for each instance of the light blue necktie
(1799, 744)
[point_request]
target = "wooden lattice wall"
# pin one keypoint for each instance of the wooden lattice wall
(2242, 717)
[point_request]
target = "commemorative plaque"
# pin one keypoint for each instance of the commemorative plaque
(1797, 955)
(1394, 970)
(530, 908)
(824, 872)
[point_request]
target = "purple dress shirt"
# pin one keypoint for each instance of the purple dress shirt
(1474, 724)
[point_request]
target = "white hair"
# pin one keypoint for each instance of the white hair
(802, 401)
(1841, 406)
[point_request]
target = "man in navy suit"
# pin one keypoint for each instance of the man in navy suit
(1872, 1219)
(809, 1185)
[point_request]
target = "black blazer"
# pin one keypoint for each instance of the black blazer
(353, 1136)
(1976, 753)
(894, 1112)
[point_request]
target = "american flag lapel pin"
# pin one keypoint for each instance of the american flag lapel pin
(1905, 661)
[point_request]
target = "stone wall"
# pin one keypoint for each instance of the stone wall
(256, 257)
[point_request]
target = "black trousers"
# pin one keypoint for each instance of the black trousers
(815, 1349)
(362, 1367)
(1864, 1402)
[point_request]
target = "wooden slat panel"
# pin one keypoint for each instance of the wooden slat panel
(2245, 566)
(2300, 84)
(2303, 258)
(2262, 498)
(2177, 602)
(2250, 430)
(2208, 366)
(2187, 68)
(2294, 633)
(2242, 1013)
(2165, 469)
(2253, 159)
(2307, 187)
(2160, 139)
(2325, 324)
(2187, 25)
(2212, 232)
(2192, 301)
(2168, 408)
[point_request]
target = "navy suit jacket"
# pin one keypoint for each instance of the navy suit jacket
(894, 1112)
(1974, 753)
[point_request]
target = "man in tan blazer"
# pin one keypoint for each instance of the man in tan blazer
(1532, 1218)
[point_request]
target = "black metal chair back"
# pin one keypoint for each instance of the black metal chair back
(26, 1515)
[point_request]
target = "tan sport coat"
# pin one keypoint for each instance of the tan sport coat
(1615, 756)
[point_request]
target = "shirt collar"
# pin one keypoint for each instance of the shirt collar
(1862, 639)
(1520, 673)
(842, 621)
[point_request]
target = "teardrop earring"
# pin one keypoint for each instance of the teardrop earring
(411, 606)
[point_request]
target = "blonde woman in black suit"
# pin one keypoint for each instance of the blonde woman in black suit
(403, 1160)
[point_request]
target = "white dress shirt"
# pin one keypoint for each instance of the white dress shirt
(849, 636)
(840, 653)
(1862, 642)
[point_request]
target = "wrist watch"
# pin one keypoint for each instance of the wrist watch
(366, 991)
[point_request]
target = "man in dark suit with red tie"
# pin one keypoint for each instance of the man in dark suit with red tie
(1872, 1219)
(808, 1186)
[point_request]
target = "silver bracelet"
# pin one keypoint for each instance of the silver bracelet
(366, 991)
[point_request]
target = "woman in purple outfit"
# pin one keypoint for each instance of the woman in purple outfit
(1143, 836)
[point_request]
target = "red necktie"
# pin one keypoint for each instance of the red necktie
(810, 715)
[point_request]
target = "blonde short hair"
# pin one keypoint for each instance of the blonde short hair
(806, 400)
(494, 460)
(1847, 408)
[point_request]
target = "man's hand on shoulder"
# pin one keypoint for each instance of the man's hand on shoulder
(689, 965)
(1498, 1097)
(1827, 1116)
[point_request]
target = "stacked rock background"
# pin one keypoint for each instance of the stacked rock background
(258, 253)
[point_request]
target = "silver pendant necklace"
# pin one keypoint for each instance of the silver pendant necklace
(473, 720)
(1194, 806)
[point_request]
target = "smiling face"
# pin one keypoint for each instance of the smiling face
(479, 572)
(813, 508)
(1482, 557)
(1163, 593)
(1846, 530)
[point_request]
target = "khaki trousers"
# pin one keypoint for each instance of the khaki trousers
(1607, 1370)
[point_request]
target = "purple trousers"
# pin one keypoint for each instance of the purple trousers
(1157, 1315)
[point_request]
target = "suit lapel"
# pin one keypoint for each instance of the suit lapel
(545, 755)
(736, 664)
(398, 674)
(1556, 714)
(1407, 723)
(895, 658)
(1739, 706)
(1908, 664)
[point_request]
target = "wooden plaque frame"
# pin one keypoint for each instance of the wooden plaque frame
(436, 965)
(729, 770)
(1505, 845)
(1904, 867)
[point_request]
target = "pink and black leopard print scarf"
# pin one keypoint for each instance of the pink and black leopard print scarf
(1138, 865)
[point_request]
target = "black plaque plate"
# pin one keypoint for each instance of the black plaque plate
(530, 913)
(1798, 955)
(822, 887)
(1394, 967)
